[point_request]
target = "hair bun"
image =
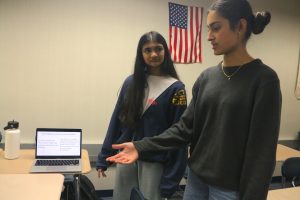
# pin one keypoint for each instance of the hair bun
(261, 19)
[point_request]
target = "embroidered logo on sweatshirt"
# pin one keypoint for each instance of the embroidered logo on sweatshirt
(179, 98)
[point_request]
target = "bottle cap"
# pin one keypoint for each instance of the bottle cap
(12, 125)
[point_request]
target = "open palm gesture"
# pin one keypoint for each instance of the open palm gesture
(128, 155)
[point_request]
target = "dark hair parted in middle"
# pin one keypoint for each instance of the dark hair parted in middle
(234, 10)
(132, 107)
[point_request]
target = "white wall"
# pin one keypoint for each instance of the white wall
(62, 62)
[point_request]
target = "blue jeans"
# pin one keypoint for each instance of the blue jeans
(196, 189)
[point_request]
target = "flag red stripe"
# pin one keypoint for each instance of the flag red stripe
(180, 45)
(200, 34)
(197, 35)
(186, 46)
(175, 44)
(170, 40)
(191, 34)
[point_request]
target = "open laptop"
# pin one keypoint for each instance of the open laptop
(57, 150)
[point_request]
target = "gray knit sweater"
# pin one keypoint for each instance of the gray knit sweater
(232, 128)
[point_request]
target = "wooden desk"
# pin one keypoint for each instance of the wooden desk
(284, 152)
(23, 164)
(284, 194)
(31, 186)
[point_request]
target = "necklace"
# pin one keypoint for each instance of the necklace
(231, 75)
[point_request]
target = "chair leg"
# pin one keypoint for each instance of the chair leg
(293, 182)
(283, 181)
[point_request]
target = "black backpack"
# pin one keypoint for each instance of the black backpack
(87, 189)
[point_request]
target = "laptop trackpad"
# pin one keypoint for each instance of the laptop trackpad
(56, 168)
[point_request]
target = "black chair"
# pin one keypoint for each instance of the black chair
(136, 194)
(290, 170)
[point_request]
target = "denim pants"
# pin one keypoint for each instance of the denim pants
(196, 189)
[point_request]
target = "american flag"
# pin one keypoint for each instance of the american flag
(185, 24)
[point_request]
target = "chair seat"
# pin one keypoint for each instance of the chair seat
(290, 171)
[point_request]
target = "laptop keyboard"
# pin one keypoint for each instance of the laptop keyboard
(56, 162)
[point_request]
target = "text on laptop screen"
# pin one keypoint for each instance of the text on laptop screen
(58, 143)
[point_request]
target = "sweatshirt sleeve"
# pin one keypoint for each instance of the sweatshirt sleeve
(260, 153)
(175, 165)
(173, 171)
(113, 132)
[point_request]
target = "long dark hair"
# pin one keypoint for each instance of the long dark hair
(234, 10)
(132, 107)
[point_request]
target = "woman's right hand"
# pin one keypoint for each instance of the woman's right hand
(128, 155)
(101, 172)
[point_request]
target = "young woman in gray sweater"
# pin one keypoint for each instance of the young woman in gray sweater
(232, 122)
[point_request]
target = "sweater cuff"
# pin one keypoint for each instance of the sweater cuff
(139, 146)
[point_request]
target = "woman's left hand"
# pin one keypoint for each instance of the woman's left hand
(128, 155)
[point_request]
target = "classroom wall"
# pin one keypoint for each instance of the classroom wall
(62, 62)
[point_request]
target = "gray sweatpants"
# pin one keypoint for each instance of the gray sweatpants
(144, 175)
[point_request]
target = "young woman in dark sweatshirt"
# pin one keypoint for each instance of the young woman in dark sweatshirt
(150, 101)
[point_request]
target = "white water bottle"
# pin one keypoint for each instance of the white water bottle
(12, 140)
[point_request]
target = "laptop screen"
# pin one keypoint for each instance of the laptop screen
(58, 143)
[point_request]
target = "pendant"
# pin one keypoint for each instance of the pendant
(229, 78)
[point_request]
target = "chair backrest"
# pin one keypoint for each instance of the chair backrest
(136, 194)
(290, 169)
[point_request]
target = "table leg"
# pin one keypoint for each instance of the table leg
(77, 186)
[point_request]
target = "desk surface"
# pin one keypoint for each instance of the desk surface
(284, 194)
(23, 164)
(284, 152)
(31, 186)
